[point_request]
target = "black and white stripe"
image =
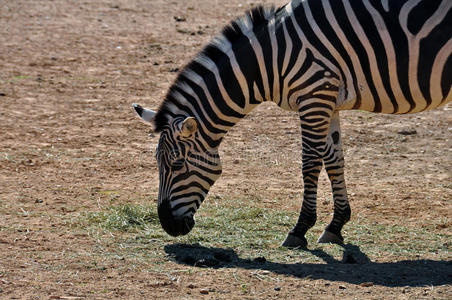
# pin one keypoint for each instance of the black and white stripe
(315, 57)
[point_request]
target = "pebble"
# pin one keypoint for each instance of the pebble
(407, 132)
(366, 284)
(341, 287)
(204, 291)
(179, 19)
(277, 288)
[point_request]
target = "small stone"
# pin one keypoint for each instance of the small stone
(407, 132)
(173, 70)
(2, 94)
(277, 288)
(341, 287)
(366, 284)
(179, 19)
(39, 201)
(204, 291)
(191, 286)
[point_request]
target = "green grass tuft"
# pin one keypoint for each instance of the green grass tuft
(125, 218)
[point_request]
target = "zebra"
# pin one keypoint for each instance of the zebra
(313, 57)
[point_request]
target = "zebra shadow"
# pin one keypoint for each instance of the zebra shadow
(354, 267)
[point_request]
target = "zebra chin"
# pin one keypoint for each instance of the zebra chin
(174, 226)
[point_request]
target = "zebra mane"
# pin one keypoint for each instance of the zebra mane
(232, 33)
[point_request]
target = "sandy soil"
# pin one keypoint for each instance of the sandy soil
(69, 71)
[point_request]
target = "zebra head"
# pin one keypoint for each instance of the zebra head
(187, 170)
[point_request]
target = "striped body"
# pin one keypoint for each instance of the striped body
(390, 56)
(314, 57)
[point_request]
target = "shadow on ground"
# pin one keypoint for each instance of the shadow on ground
(355, 267)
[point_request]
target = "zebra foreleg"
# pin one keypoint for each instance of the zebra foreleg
(334, 165)
(314, 126)
(308, 215)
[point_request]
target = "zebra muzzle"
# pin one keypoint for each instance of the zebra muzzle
(174, 226)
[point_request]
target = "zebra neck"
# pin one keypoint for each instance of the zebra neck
(237, 71)
(228, 79)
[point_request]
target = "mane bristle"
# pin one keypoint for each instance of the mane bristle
(254, 18)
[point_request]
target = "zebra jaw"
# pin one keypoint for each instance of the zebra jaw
(146, 114)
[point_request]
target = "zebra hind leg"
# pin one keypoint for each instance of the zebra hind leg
(334, 165)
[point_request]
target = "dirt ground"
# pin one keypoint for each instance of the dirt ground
(69, 71)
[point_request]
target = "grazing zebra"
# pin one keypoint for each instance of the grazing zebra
(315, 57)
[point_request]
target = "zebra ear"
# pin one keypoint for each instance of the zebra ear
(144, 113)
(188, 127)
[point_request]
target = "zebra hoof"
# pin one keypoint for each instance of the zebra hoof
(293, 241)
(329, 237)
